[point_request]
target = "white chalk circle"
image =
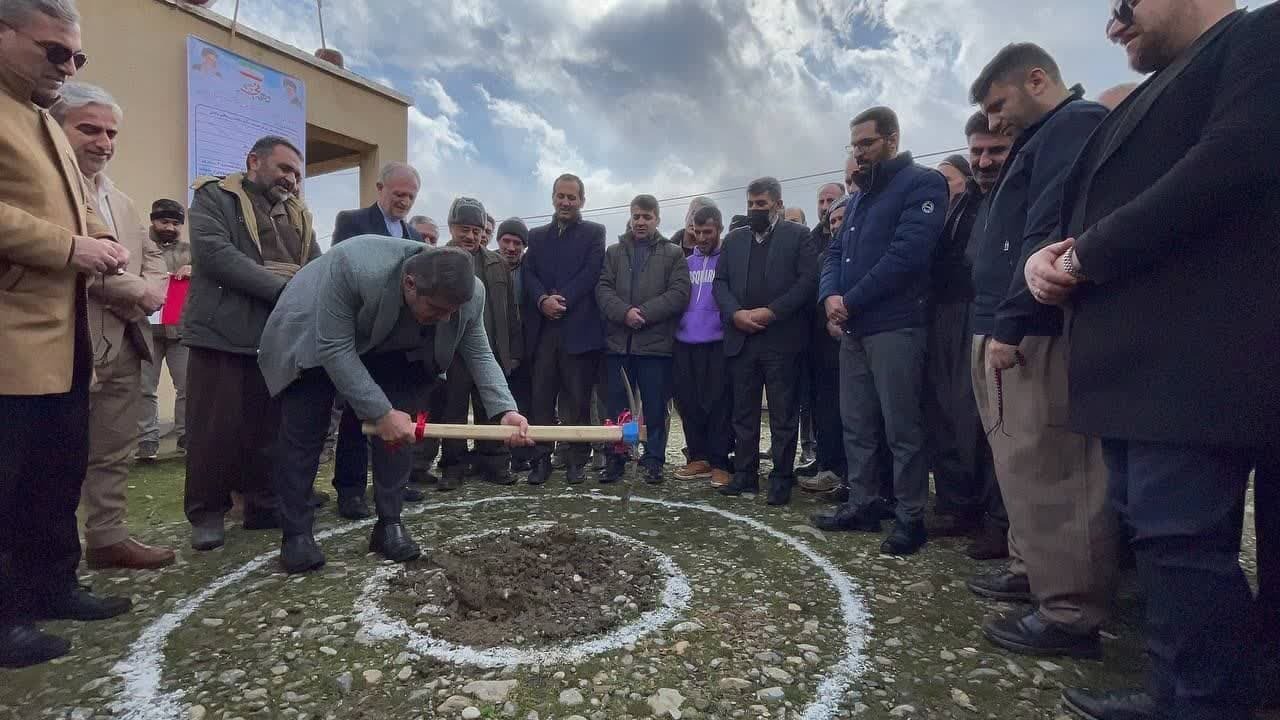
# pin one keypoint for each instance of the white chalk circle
(142, 698)
(381, 625)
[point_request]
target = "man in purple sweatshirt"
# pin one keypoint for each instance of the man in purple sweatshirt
(702, 392)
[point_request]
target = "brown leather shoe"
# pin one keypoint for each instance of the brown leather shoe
(129, 555)
(696, 470)
(720, 478)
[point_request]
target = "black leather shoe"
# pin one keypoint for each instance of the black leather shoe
(780, 491)
(847, 518)
(653, 473)
(300, 553)
(353, 507)
(575, 473)
(393, 542)
(24, 646)
(80, 604)
(541, 471)
(615, 466)
(1109, 705)
(423, 477)
(1027, 633)
(261, 519)
(451, 478)
(808, 469)
(318, 499)
(519, 466)
(1005, 587)
(906, 538)
(992, 544)
(412, 495)
(498, 474)
(743, 484)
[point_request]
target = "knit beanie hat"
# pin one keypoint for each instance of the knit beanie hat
(165, 209)
(514, 226)
(467, 211)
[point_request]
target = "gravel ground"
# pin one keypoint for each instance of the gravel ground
(762, 630)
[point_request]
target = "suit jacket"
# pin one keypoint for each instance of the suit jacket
(501, 314)
(1175, 207)
(793, 284)
(366, 221)
(567, 261)
(345, 304)
(42, 205)
(114, 315)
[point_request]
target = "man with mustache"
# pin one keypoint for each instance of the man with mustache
(118, 310)
(167, 219)
(250, 234)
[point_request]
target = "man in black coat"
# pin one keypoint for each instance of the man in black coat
(562, 323)
(765, 284)
(1169, 262)
(398, 186)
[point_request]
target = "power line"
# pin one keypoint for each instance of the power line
(593, 212)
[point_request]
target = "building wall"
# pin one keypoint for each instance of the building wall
(137, 52)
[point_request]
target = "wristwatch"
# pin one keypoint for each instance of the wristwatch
(1069, 264)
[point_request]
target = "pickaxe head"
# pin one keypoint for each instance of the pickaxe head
(633, 399)
(632, 422)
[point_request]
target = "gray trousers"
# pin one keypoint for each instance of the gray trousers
(173, 352)
(881, 394)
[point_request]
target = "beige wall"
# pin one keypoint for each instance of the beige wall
(137, 52)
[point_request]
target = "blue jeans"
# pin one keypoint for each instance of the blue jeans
(652, 376)
(1184, 506)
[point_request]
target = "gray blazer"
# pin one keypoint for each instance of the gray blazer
(345, 304)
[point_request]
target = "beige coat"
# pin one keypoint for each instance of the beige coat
(42, 205)
(113, 299)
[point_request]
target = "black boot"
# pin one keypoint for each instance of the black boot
(846, 518)
(905, 539)
(1028, 633)
(451, 478)
(652, 472)
(615, 466)
(1005, 587)
(353, 507)
(1109, 705)
(541, 471)
(743, 484)
(300, 553)
(24, 646)
(575, 473)
(780, 491)
(496, 470)
(393, 542)
(79, 604)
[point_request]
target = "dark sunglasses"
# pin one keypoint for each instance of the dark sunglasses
(55, 53)
(1121, 13)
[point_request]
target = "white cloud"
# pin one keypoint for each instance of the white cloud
(434, 90)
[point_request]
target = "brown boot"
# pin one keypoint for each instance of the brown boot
(720, 478)
(129, 555)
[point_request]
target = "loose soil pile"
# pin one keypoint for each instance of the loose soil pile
(526, 587)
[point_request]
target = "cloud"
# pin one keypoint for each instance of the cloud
(436, 92)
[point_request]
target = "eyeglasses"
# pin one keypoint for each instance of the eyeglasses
(55, 53)
(864, 144)
(1121, 13)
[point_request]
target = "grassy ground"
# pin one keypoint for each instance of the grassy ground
(274, 646)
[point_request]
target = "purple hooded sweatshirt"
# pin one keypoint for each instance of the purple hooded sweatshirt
(701, 322)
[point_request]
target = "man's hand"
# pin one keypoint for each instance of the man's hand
(836, 311)
(183, 272)
(94, 256)
(833, 329)
(1048, 282)
(396, 428)
(1001, 356)
(763, 317)
(745, 323)
(151, 300)
(520, 438)
(635, 319)
(553, 306)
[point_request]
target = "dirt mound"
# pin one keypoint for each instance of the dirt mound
(527, 587)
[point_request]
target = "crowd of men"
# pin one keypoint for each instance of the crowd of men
(1072, 330)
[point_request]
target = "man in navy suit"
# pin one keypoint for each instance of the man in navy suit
(398, 186)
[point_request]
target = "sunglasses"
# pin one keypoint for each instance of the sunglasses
(1121, 13)
(55, 53)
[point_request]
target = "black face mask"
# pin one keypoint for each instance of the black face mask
(759, 220)
(166, 236)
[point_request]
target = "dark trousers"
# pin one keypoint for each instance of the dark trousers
(776, 373)
(521, 385)
(460, 392)
(953, 431)
(351, 457)
(651, 376)
(703, 398)
(1266, 521)
(304, 421)
(808, 441)
(824, 399)
(232, 423)
(44, 453)
(1184, 506)
(568, 378)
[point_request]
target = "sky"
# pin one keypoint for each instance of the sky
(668, 97)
